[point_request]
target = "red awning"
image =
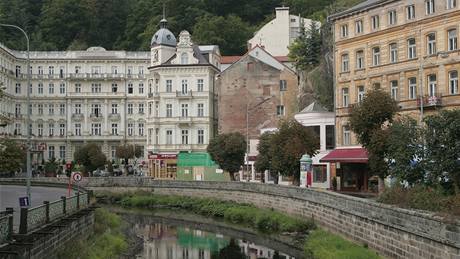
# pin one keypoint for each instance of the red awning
(346, 155)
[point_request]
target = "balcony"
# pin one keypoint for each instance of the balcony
(185, 120)
(78, 116)
(114, 116)
(183, 94)
(430, 101)
(77, 76)
(96, 116)
(154, 95)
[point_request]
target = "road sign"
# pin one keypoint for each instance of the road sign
(24, 202)
(77, 177)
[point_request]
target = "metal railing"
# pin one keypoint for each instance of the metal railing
(6, 226)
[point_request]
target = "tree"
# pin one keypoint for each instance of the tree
(442, 147)
(368, 121)
(231, 251)
(264, 158)
(127, 152)
(12, 156)
(288, 144)
(405, 151)
(228, 151)
(305, 51)
(90, 156)
(51, 166)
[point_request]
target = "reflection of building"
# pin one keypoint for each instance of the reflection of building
(255, 251)
(407, 48)
(279, 33)
(322, 123)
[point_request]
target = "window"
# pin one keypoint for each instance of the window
(141, 108)
(453, 82)
(344, 30)
(113, 151)
(77, 88)
(345, 100)
(376, 56)
(95, 70)
(114, 108)
(412, 88)
(141, 88)
(283, 85)
(157, 135)
(40, 129)
(375, 20)
(201, 136)
(429, 6)
(320, 173)
(359, 26)
(330, 137)
(51, 129)
(130, 129)
(51, 88)
(393, 53)
(50, 152)
(62, 88)
(410, 11)
(280, 110)
(345, 63)
(51, 109)
(40, 109)
(77, 69)
(411, 49)
(452, 42)
(130, 108)
(360, 93)
(184, 110)
(130, 70)
(168, 110)
(130, 88)
(40, 70)
(150, 108)
(18, 88)
(184, 58)
(431, 44)
(200, 85)
(40, 88)
(394, 89)
(141, 129)
(392, 17)
(62, 109)
(114, 129)
(141, 70)
(114, 87)
(51, 70)
(184, 134)
(95, 129)
(451, 4)
(61, 130)
(77, 127)
(96, 88)
(157, 108)
(95, 110)
(184, 86)
(432, 85)
(360, 59)
(77, 108)
(200, 110)
(169, 137)
(346, 136)
(168, 86)
(114, 70)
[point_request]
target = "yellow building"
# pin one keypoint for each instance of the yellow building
(406, 47)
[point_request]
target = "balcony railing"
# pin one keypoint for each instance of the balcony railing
(185, 94)
(114, 116)
(77, 116)
(430, 100)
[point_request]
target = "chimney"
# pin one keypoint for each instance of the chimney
(281, 11)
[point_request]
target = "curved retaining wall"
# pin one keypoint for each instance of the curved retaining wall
(394, 232)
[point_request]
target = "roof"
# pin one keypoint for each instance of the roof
(233, 59)
(163, 36)
(314, 108)
(366, 5)
(347, 155)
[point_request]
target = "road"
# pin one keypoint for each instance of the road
(9, 197)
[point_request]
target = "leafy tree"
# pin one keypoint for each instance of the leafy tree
(230, 33)
(231, 251)
(51, 166)
(127, 152)
(288, 144)
(90, 156)
(264, 159)
(442, 147)
(368, 121)
(12, 156)
(228, 151)
(305, 51)
(405, 151)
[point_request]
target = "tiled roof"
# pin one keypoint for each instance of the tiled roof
(229, 59)
(359, 7)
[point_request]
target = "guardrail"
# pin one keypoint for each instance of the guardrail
(6, 225)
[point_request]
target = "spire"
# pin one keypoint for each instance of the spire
(163, 21)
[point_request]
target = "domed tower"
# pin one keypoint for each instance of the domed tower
(163, 45)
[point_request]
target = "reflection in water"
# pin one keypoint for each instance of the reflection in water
(161, 241)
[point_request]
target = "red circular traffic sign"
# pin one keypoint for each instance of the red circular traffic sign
(77, 177)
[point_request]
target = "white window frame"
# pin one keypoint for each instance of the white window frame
(412, 87)
(430, 7)
(393, 52)
(452, 36)
(431, 44)
(376, 56)
(453, 82)
(410, 12)
(411, 48)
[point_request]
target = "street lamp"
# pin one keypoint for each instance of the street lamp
(28, 145)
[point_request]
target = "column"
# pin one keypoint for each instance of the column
(322, 137)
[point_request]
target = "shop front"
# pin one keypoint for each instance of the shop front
(163, 166)
(350, 168)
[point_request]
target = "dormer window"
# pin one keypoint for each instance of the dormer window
(184, 58)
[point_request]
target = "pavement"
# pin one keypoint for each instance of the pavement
(9, 197)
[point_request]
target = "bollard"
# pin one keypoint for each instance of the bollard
(10, 211)
(47, 211)
(23, 221)
(64, 203)
(78, 200)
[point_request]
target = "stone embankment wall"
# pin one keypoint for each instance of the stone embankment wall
(393, 232)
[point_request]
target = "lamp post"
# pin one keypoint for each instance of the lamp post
(28, 145)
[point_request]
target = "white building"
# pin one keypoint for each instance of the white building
(279, 33)
(322, 123)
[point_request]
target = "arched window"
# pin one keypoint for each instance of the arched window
(184, 58)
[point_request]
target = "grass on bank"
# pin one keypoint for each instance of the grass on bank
(106, 242)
